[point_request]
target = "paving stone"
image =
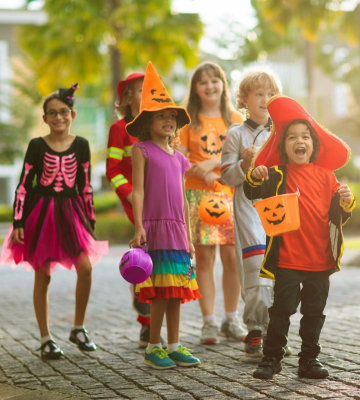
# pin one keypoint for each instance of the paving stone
(116, 371)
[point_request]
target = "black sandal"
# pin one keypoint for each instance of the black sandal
(50, 351)
(87, 345)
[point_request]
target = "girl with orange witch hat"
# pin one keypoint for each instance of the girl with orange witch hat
(300, 155)
(162, 219)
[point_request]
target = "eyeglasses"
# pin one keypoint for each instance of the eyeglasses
(63, 113)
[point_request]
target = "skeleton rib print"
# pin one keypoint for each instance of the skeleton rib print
(59, 169)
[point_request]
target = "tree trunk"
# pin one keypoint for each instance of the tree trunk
(115, 55)
(309, 67)
(357, 18)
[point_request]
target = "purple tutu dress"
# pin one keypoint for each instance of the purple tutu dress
(54, 206)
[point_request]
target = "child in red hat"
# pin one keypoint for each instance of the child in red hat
(300, 155)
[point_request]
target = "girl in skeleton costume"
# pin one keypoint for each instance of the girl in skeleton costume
(54, 217)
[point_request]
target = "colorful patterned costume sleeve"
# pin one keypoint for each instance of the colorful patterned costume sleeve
(83, 183)
(118, 161)
(25, 185)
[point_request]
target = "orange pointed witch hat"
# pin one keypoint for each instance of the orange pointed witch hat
(333, 153)
(155, 98)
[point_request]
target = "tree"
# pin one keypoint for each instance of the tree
(21, 108)
(91, 42)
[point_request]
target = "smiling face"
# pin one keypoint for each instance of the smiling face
(209, 88)
(58, 116)
(163, 123)
(299, 144)
(256, 103)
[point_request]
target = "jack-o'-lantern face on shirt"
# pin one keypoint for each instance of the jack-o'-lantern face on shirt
(160, 96)
(211, 143)
(275, 216)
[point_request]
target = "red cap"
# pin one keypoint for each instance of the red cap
(131, 78)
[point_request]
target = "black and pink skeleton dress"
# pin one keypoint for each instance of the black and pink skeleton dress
(54, 205)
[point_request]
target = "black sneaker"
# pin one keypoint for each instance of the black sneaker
(312, 368)
(145, 337)
(86, 344)
(268, 367)
(50, 351)
(142, 309)
(254, 344)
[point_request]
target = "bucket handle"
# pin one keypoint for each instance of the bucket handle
(297, 189)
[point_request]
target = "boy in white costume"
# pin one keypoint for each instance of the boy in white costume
(242, 142)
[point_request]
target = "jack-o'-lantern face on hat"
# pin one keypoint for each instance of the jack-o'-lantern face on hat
(161, 97)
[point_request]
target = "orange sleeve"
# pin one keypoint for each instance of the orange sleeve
(185, 136)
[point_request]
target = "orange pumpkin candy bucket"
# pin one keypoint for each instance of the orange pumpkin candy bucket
(279, 214)
(214, 210)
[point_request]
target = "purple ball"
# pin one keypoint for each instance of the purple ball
(135, 266)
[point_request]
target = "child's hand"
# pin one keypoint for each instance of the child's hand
(345, 193)
(139, 240)
(260, 172)
(210, 178)
(191, 250)
(247, 156)
(202, 168)
(18, 235)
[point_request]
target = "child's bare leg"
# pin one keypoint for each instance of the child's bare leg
(230, 278)
(173, 320)
(82, 293)
(41, 301)
(205, 264)
(157, 311)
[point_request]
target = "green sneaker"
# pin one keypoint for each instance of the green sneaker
(183, 357)
(158, 358)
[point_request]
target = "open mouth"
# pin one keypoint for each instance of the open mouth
(300, 152)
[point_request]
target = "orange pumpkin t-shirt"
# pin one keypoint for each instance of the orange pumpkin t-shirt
(309, 248)
(205, 144)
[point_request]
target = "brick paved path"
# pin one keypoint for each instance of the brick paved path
(115, 370)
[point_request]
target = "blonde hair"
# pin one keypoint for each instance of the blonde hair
(193, 103)
(255, 78)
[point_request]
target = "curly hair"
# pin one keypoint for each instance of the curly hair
(316, 144)
(193, 102)
(255, 78)
(145, 134)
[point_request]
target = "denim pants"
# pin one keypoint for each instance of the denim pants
(292, 287)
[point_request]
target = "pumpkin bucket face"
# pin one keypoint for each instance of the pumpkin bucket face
(279, 214)
(214, 210)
